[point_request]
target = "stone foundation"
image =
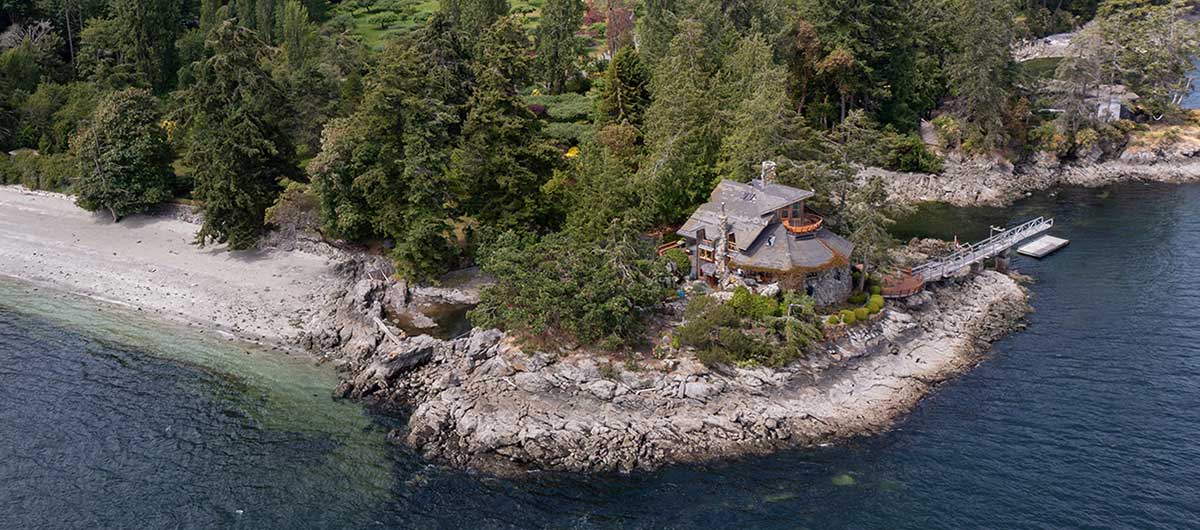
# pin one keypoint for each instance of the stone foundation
(830, 287)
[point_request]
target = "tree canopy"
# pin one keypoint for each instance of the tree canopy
(124, 158)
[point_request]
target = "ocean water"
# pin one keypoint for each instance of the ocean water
(1090, 418)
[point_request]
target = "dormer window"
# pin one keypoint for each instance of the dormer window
(732, 242)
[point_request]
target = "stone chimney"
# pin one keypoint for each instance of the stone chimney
(767, 176)
(720, 250)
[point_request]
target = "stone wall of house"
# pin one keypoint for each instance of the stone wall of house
(830, 286)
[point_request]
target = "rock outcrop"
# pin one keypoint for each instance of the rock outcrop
(976, 182)
(482, 402)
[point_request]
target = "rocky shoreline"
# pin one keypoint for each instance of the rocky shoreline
(987, 182)
(482, 402)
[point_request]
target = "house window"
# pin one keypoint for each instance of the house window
(706, 254)
(798, 210)
(732, 243)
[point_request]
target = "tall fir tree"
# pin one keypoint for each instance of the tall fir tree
(982, 72)
(237, 143)
(682, 136)
(146, 30)
(758, 120)
(296, 34)
(503, 158)
(208, 14)
(473, 17)
(264, 20)
(558, 48)
(382, 171)
(871, 53)
(657, 28)
(625, 93)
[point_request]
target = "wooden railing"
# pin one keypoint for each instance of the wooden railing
(663, 248)
(804, 225)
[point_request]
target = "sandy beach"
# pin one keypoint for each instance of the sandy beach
(150, 264)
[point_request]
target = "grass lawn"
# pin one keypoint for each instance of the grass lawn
(1038, 69)
(378, 20)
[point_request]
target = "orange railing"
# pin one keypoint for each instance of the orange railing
(902, 284)
(804, 225)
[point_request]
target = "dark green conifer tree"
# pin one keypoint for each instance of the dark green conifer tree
(237, 144)
(626, 91)
(146, 31)
(503, 158)
(558, 48)
(382, 171)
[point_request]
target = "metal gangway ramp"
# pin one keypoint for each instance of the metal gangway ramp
(979, 252)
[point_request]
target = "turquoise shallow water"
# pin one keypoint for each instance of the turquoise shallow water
(1088, 419)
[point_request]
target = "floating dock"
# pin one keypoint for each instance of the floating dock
(1043, 246)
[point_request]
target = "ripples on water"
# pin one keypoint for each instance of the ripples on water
(1088, 419)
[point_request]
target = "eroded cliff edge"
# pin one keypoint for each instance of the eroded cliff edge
(482, 402)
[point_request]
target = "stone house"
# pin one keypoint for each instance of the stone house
(762, 233)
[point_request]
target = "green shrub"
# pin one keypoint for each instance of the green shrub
(39, 172)
(875, 304)
(749, 305)
(848, 317)
(833, 320)
(907, 152)
(1047, 138)
(711, 357)
(1086, 137)
(861, 313)
(567, 107)
(563, 285)
(858, 298)
(801, 305)
(948, 130)
(743, 348)
(681, 260)
(797, 334)
(56, 172)
(719, 332)
(8, 172)
(567, 134)
(875, 289)
(609, 371)
(703, 315)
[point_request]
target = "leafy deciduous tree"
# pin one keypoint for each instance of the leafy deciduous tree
(124, 158)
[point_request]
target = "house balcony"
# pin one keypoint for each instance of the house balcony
(808, 224)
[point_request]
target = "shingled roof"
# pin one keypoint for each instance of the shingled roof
(763, 243)
(749, 208)
(780, 251)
